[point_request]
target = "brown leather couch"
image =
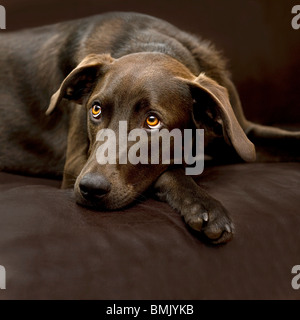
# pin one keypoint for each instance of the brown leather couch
(54, 249)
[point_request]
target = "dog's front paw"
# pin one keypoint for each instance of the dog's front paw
(211, 220)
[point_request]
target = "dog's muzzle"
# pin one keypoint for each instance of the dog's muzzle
(94, 186)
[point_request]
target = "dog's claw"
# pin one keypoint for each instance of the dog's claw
(227, 228)
(205, 216)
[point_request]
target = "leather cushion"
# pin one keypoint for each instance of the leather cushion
(54, 249)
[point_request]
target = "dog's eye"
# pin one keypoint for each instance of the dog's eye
(96, 110)
(153, 122)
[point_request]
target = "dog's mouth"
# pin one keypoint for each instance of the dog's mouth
(101, 203)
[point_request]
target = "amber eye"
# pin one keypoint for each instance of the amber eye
(96, 110)
(153, 122)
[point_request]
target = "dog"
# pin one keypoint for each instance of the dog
(61, 84)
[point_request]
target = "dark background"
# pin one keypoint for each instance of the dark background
(262, 48)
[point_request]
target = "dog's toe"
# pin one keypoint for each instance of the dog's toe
(214, 223)
(195, 222)
(219, 233)
(195, 216)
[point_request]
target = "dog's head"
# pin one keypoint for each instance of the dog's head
(149, 91)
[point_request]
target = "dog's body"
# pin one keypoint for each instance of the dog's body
(120, 61)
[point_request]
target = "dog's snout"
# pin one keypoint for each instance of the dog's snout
(94, 185)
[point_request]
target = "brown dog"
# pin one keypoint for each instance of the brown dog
(123, 67)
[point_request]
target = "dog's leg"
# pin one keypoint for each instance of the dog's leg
(77, 148)
(200, 211)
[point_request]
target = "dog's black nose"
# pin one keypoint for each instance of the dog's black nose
(94, 185)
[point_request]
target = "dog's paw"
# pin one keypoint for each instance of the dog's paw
(211, 220)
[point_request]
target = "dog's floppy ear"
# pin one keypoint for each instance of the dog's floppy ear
(211, 98)
(81, 80)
